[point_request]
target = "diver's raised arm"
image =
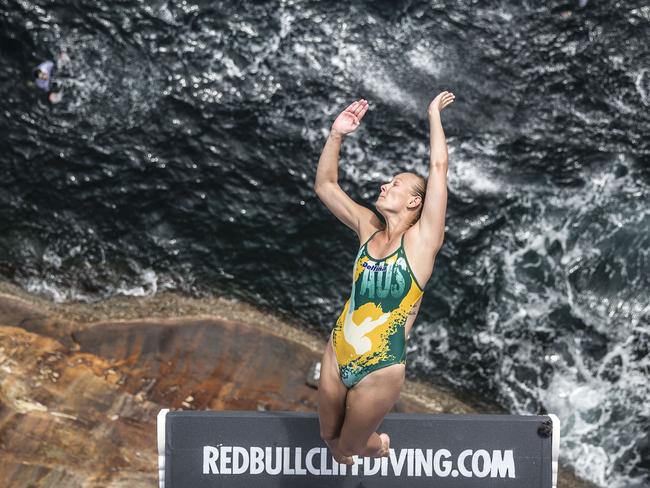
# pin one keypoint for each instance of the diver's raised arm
(326, 184)
(432, 220)
(346, 123)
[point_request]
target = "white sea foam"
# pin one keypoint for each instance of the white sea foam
(642, 84)
(427, 57)
(146, 283)
(581, 252)
(579, 392)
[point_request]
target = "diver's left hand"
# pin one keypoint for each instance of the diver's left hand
(443, 99)
(349, 120)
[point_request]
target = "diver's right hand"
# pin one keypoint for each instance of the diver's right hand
(348, 120)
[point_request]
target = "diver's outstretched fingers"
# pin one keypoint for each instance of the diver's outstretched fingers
(443, 99)
(355, 106)
(363, 111)
(348, 121)
(359, 108)
(351, 107)
(447, 100)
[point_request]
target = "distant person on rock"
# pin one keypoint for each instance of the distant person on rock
(44, 74)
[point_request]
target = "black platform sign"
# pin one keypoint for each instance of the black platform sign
(209, 449)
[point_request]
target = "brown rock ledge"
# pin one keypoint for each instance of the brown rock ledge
(81, 384)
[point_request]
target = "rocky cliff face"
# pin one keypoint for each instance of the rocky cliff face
(81, 385)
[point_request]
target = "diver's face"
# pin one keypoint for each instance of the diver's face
(395, 194)
(42, 75)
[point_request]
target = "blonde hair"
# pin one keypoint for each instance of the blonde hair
(419, 190)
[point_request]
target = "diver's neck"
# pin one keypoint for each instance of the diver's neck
(395, 227)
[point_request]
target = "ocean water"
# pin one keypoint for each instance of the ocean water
(183, 154)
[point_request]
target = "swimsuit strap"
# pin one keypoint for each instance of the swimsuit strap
(367, 241)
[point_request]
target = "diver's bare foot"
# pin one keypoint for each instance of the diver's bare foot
(385, 445)
(340, 458)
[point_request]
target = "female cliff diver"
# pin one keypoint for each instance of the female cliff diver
(363, 366)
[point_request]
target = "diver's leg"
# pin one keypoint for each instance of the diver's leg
(367, 404)
(331, 401)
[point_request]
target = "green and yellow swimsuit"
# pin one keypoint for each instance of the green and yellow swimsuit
(370, 332)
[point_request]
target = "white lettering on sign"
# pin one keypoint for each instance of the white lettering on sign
(237, 460)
